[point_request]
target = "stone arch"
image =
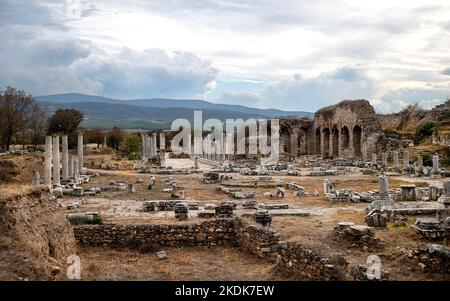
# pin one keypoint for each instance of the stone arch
(335, 138)
(357, 133)
(326, 142)
(345, 137)
(317, 141)
(302, 142)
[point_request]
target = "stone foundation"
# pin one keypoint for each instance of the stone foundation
(292, 259)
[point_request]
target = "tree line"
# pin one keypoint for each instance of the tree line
(24, 122)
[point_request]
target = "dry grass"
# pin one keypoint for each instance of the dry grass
(199, 263)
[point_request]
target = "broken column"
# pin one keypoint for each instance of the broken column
(65, 158)
(395, 161)
(364, 152)
(48, 161)
(76, 167)
(445, 197)
(435, 169)
(405, 159)
(326, 186)
(80, 152)
(104, 142)
(384, 159)
(374, 158)
(72, 166)
(419, 163)
(380, 210)
(56, 163)
(162, 149)
(195, 162)
(36, 178)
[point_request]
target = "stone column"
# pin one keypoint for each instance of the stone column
(80, 156)
(155, 144)
(162, 141)
(419, 163)
(374, 158)
(146, 147)
(65, 157)
(326, 186)
(364, 152)
(104, 142)
(395, 161)
(435, 169)
(405, 159)
(195, 162)
(445, 197)
(48, 161)
(143, 148)
(76, 167)
(36, 178)
(384, 159)
(72, 166)
(56, 163)
(384, 188)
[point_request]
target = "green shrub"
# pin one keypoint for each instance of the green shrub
(424, 131)
(427, 159)
(392, 133)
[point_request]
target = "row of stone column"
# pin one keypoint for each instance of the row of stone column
(214, 151)
(149, 146)
(71, 165)
(406, 163)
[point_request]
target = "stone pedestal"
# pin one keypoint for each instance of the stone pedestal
(408, 193)
(181, 211)
(36, 178)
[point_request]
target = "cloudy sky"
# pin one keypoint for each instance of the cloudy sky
(293, 55)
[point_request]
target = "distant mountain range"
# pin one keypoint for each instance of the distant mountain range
(155, 113)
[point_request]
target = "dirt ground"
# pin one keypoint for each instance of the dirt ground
(199, 263)
(225, 263)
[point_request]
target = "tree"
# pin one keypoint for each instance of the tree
(115, 138)
(65, 121)
(95, 136)
(15, 111)
(131, 146)
(37, 126)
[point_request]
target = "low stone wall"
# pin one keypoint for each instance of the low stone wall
(301, 263)
(293, 260)
(144, 236)
(257, 240)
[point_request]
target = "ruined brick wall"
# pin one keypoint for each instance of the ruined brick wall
(343, 129)
(301, 263)
(257, 240)
(293, 259)
(144, 236)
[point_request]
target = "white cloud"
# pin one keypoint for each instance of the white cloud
(379, 50)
